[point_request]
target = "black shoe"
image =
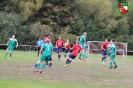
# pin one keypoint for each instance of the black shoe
(111, 67)
(115, 67)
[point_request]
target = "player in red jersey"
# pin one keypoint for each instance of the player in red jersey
(104, 52)
(67, 47)
(75, 50)
(47, 37)
(59, 44)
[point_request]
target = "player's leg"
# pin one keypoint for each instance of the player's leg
(51, 61)
(111, 66)
(80, 54)
(7, 50)
(38, 66)
(102, 55)
(59, 54)
(39, 62)
(12, 48)
(65, 53)
(83, 55)
(46, 58)
(67, 60)
(114, 62)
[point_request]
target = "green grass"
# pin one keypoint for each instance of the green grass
(17, 72)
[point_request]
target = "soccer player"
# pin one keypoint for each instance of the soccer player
(81, 43)
(67, 47)
(59, 44)
(39, 45)
(104, 50)
(112, 50)
(47, 37)
(47, 51)
(12, 43)
(75, 50)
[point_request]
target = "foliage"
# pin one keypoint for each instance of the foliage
(35, 18)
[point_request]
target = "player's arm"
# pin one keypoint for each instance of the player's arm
(56, 44)
(103, 47)
(73, 47)
(7, 42)
(78, 38)
(115, 51)
(41, 50)
(16, 43)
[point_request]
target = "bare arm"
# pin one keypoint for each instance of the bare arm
(7, 42)
(41, 49)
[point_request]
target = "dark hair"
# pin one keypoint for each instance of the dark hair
(113, 40)
(47, 35)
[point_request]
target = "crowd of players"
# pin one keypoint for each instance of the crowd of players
(45, 47)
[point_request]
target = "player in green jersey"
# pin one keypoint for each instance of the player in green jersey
(81, 43)
(47, 51)
(12, 43)
(112, 50)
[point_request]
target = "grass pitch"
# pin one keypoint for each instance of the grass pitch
(17, 72)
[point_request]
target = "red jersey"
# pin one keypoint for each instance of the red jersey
(76, 49)
(46, 38)
(59, 43)
(67, 45)
(104, 45)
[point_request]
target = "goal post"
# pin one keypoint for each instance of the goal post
(94, 47)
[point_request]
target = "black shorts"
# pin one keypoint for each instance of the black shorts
(71, 56)
(104, 53)
(50, 59)
(67, 51)
(39, 47)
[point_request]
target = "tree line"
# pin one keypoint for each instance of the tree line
(30, 19)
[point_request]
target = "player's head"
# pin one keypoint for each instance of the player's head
(106, 40)
(112, 41)
(59, 37)
(85, 33)
(13, 36)
(48, 41)
(39, 38)
(47, 35)
(67, 40)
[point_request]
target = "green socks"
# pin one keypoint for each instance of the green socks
(80, 54)
(115, 63)
(83, 57)
(6, 54)
(43, 66)
(38, 65)
(10, 55)
(104, 59)
(110, 63)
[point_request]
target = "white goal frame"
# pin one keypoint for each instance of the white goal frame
(94, 47)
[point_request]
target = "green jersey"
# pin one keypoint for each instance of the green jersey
(47, 48)
(12, 42)
(113, 49)
(82, 40)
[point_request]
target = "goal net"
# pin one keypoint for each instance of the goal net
(94, 47)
